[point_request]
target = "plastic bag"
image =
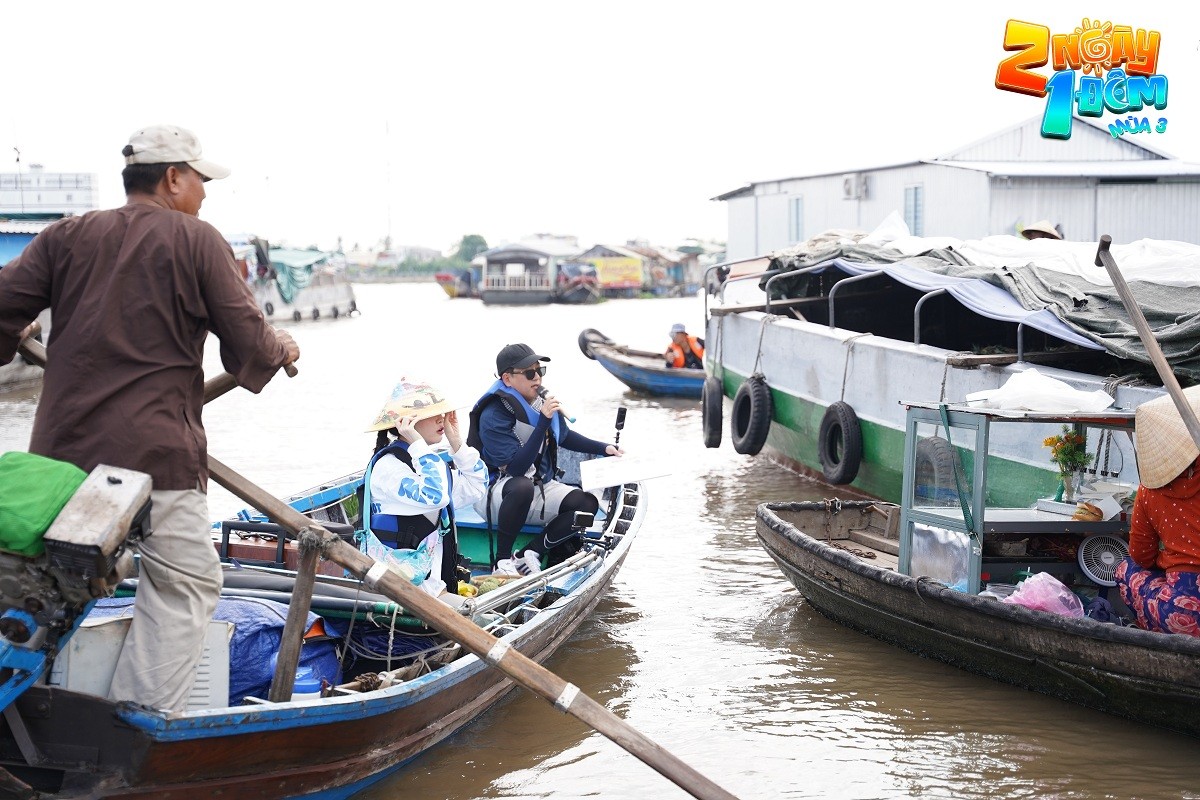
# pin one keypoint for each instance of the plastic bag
(1043, 592)
(413, 565)
(1034, 391)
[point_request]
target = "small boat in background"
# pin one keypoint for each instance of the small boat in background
(293, 284)
(641, 370)
(461, 282)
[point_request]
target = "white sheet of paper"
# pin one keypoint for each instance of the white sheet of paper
(598, 473)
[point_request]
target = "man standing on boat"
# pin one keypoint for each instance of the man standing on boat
(133, 293)
(685, 350)
(518, 428)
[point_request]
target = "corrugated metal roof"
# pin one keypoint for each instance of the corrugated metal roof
(1164, 168)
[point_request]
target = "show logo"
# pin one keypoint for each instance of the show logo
(1116, 67)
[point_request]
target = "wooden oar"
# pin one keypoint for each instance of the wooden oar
(1105, 259)
(522, 670)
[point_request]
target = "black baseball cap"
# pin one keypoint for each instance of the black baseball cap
(516, 356)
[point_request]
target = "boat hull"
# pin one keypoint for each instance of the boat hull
(323, 748)
(328, 297)
(808, 367)
(646, 373)
(516, 297)
(1148, 677)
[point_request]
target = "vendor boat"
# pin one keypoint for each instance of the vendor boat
(641, 370)
(927, 575)
(293, 284)
(345, 726)
(816, 345)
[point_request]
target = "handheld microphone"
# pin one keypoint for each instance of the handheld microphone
(541, 391)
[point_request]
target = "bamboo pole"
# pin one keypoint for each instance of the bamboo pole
(524, 671)
(1105, 259)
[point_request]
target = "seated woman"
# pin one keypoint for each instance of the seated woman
(1159, 580)
(413, 486)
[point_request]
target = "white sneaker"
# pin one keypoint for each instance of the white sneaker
(508, 566)
(530, 563)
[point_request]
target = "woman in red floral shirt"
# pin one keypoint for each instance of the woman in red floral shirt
(1160, 581)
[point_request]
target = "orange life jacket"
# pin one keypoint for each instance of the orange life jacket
(677, 357)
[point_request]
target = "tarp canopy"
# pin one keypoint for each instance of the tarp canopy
(1045, 277)
(978, 295)
(294, 269)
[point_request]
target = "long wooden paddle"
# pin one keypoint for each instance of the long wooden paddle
(1104, 258)
(520, 668)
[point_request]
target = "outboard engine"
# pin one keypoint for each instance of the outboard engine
(86, 556)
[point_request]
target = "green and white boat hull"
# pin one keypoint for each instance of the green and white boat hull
(808, 367)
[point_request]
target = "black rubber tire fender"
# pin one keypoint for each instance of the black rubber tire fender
(750, 420)
(336, 313)
(316, 313)
(712, 401)
(839, 444)
(295, 316)
(269, 308)
(586, 337)
(935, 461)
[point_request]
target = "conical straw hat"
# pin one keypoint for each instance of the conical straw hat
(1164, 446)
(411, 399)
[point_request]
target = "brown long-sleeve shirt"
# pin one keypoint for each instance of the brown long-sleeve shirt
(133, 293)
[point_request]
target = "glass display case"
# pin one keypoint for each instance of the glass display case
(973, 479)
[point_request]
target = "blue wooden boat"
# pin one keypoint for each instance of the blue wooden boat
(641, 370)
(63, 742)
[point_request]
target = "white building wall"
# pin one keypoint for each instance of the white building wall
(36, 191)
(1130, 211)
(742, 239)
(1069, 202)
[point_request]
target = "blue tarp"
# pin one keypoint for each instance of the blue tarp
(258, 628)
(983, 298)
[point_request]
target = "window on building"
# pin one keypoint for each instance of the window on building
(70, 198)
(914, 209)
(796, 219)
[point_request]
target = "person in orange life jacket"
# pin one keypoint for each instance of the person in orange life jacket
(685, 350)
(416, 485)
(519, 431)
(1160, 580)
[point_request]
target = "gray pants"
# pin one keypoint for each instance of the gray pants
(158, 661)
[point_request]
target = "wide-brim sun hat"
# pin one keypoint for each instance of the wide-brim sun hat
(1164, 446)
(1042, 226)
(411, 399)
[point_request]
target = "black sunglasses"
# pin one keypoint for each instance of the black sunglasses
(530, 373)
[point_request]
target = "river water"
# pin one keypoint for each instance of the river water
(702, 644)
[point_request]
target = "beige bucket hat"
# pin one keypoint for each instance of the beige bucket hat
(1164, 446)
(411, 399)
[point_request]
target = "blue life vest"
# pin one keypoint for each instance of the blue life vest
(407, 531)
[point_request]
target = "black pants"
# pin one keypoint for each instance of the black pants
(558, 540)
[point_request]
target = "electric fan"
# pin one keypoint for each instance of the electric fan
(1099, 556)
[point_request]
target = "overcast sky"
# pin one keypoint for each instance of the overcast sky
(608, 121)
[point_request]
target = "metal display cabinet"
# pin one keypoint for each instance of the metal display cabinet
(949, 507)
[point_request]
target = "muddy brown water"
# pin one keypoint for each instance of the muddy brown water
(702, 645)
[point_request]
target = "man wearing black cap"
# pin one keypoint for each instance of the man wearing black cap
(134, 292)
(518, 428)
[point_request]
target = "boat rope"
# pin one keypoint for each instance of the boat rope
(846, 367)
(945, 375)
(762, 330)
(391, 637)
(833, 506)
